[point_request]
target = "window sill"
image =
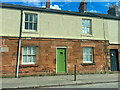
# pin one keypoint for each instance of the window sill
(30, 31)
(25, 66)
(87, 35)
(85, 64)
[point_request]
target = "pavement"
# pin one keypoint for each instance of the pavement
(59, 80)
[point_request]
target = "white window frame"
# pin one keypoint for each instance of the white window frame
(83, 26)
(29, 55)
(91, 61)
(32, 22)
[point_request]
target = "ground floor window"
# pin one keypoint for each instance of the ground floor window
(87, 55)
(28, 55)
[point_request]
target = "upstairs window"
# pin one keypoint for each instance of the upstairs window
(87, 55)
(30, 21)
(86, 26)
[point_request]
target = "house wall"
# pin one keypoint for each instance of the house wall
(113, 31)
(10, 22)
(55, 30)
(46, 56)
(52, 26)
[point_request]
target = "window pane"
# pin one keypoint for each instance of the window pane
(30, 25)
(24, 50)
(35, 18)
(26, 17)
(29, 54)
(24, 58)
(85, 57)
(35, 26)
(90, 58)
(87, 54)
(32, 21)
(29, 59)
(88, 29)
(31, 17)
(33, 59)
(34, 51)
(90, 51)
(85, 29)
(85, 22)
(29, 50)
(88, 23)
(26, 25)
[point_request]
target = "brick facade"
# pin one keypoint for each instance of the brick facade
(46, 56)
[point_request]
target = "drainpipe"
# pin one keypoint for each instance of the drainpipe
(19, 44)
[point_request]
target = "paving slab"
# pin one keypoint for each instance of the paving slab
(45, 81)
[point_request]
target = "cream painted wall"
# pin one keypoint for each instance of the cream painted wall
(113, 31)
(55, 26)
(10, 22)
(64, 26)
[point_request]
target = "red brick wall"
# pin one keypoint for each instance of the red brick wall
(46, 56)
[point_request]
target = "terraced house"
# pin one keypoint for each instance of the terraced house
(36, 41)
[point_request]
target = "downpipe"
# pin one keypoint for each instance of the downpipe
(19, 44)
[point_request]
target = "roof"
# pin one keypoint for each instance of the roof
(87, 14)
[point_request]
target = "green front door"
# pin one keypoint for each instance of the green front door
(61, 60)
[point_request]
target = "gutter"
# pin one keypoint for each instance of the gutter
(19, 44)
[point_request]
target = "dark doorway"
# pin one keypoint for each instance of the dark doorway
(114, 59)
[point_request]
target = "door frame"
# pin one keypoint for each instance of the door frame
(61, 47)
(117, 59)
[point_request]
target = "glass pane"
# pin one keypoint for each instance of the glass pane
(88, 23)
(26, 17)
(88, 30)
(34, 51)
(85, 22)
(29, 59)
(29, 50)
(31, 17)
(35, 18)
(85, 58)
(33, 59)
(26, 25)
(84, 51)
(30, 25)
(24, 50)
(82, 28)
(24, 58)
(90, 58)
(90, 51)
(85, 29)
(35, 26)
